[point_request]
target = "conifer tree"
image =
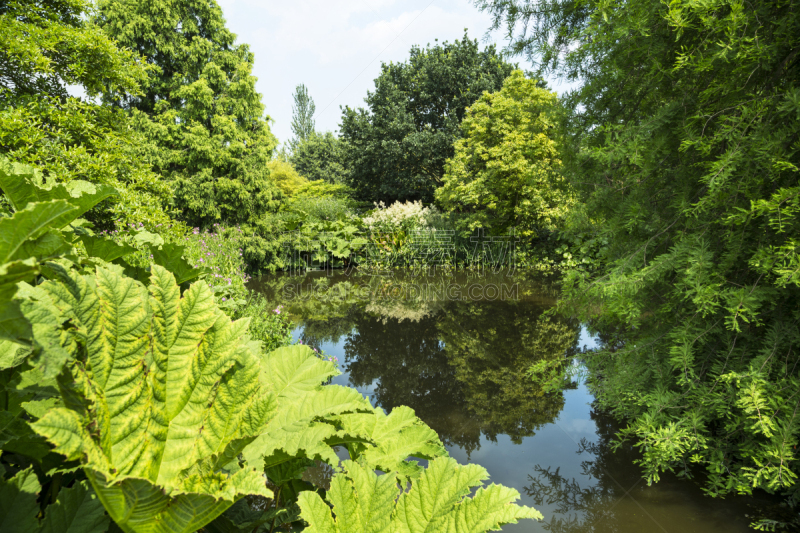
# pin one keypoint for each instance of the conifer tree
(302, 116)
(201, 110)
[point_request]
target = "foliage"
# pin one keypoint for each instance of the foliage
(42, 238)
(322, 189)
(76, 509)
(268, 325)
(192, 402)
(45, 46)
(302, 116)
(285, 177)
(505, 171)
(320, 156)
(396, 150)
(72, 140)
(317, 209)
(437, 501)
(44, 235)
(200, 110)
(684, 145)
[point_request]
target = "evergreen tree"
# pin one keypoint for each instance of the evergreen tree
(302, 116)
(201, 109)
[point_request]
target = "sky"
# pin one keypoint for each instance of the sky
(335, 47)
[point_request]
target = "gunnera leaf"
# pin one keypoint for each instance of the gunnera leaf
(23, 188)
(18, 505)
(437, 502)
(77, 510)
(167, 394)
(313, 418)
(295, 375)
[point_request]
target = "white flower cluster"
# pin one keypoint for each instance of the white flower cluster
(402, 216)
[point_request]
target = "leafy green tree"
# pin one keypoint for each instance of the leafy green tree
(505, 171)
(43, 47)
(320, 157)
(285, 176)
(685, 144)
(302, 116)
(397, 148)
(200, 110)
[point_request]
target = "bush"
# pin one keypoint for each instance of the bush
(268, 325)
(320, 209)
(401, 217)
(285, 177)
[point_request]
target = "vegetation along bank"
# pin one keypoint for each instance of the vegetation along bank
(144, 387)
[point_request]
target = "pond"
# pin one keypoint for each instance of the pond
(457, 349)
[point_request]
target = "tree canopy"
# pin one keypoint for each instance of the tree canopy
(200, 110)
(506, 168)
(685, 145)
(45, 46)
(320, 157)
(398, 146)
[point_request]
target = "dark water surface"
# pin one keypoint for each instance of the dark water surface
(456, 349)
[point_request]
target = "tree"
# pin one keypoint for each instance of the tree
(505, 171)
(320, 157)
(284, 175)
(302, 116)
(201, 109)
(49, 45)
(685, 145)
(397, 148)
(44, 46)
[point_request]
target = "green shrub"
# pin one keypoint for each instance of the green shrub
(267, 324)
(309, 208)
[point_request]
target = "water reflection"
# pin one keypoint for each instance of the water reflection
(458, 354)
(440, 346)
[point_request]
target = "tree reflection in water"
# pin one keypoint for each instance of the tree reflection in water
(461, 364)
(584, 509)
(612, 497)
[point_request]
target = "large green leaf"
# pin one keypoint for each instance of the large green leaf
(22, 188)
(18, 234)
(13, 324)
(11, 354)
(169, 392)
(170, 256)
(77, 510)
(295, 375)
(18, 505)
(105, 249)
(391, 439)
(313, 418)
(437, 502)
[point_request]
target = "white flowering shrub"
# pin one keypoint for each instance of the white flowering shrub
(402, 217)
